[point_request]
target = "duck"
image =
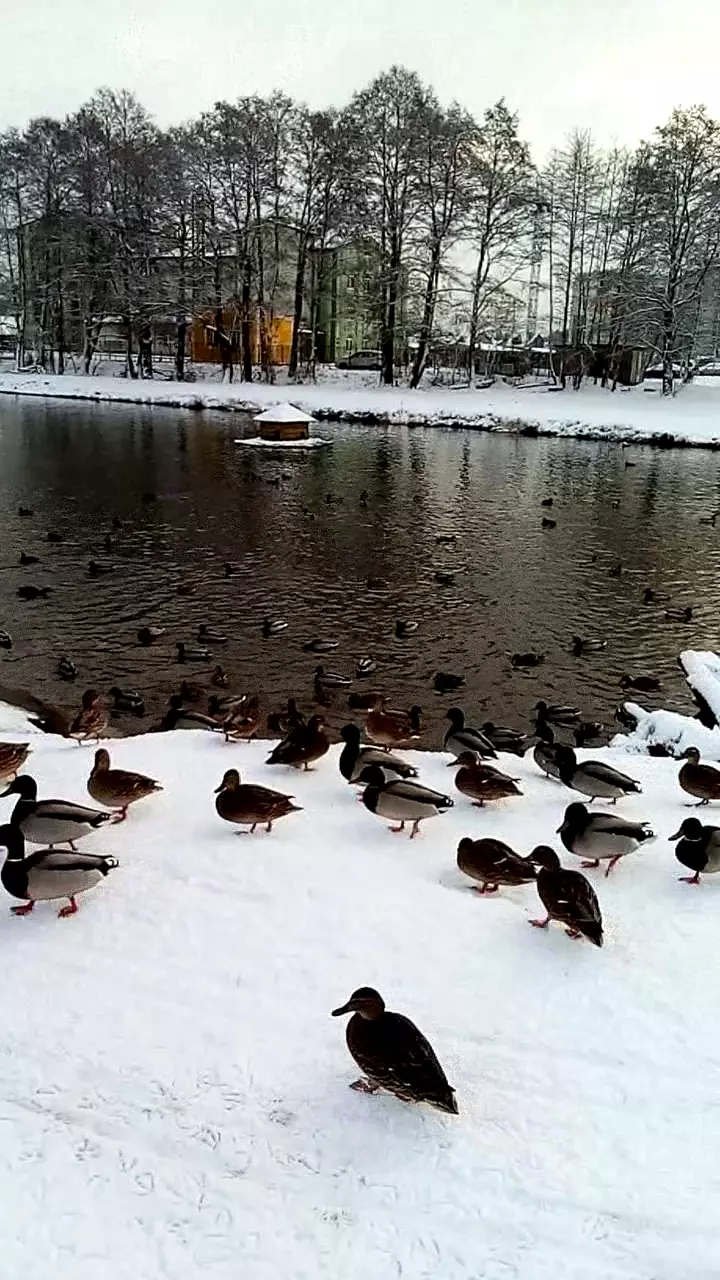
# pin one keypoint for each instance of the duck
(481, 783)
(545, 753)
(586, 731)
(601, 837)
(283, 722)
(679, 615)
(12, 758)
(320, 645)
(365, 666)
(220, 678)
(91, 721)
(374, 583)
(389, 728)
(55, 537)
(644, 684)
(25, 512)
(461, 738)
(331, 679)
(46, 875)
(33, 593)
(492, 863)
(127, 700)
(442, 538)
(701, 780)
(118, 788)
(248, 805)
(556, 713)
(220, 706)
(401, 800)
(178, 716)
(148, 635)
(649, 596)
(206, 635)
(66, 669)
(447, 681)
(149, 497)
(593, 778)
(580, 646)
(51, 822)
(230, 569)
(186, 653)
(393, 1054)
(185, 589)
(615, 570)
(5, 640)
(273, 627)
(547, 523)
(26, 559)
(49, 719)
(354, 758)
(567, 896)
(504, 739)
(364, 701)
(243, 721)
(405, 627)
(529, 659)
(100, 568)
(304, 744)
(547, 502)
(698, 849)
(445, 577)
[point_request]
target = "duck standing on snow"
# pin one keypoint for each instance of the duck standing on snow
(393, 1054)
(12, 758)
(46, 875)
(567, 896)
(91, 721)
(601, 837)
(697, 779)
(593, 778)
(249, 805)
(482, 782)
(51, 822)
(118, 788)
(698, 849)
(492, 863)
(354, 758)
(389, 728)
(242, 721)
(546, 752)
(303, 745)
(461, 738)
(401, 800)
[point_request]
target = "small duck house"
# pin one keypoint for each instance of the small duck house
(284, 422)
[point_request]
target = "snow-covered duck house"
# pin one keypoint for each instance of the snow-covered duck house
(284, 422)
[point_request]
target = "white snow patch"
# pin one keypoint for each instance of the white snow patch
(702, 671)
(174, 1091)
(257, 442)
(284, 413)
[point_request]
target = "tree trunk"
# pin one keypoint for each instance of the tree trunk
(145, 343)
(180, 339)
(60, 332)
(428, 317)
(297, 309)
(388, 337)
(246, 336)
(668, 375)
(129, 361)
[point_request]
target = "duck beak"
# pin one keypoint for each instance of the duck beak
(676, 836)
(219, 789)
(345, 1008)
(560, 829)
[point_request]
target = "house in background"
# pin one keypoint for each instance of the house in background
(205, 348)
(346, 294)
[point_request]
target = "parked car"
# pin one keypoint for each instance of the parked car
(362, 360)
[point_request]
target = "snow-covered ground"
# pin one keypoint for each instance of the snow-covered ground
(174, 1091)
(641, 413)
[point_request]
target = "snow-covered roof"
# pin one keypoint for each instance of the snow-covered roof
(284, 413)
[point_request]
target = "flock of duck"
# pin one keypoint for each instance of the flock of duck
(389, 1049)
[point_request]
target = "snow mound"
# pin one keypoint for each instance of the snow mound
(702, 672)
(174, 1091)
(257, 442)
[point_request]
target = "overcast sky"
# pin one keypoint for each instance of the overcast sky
(616, 66)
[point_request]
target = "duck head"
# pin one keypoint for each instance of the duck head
(89, 699)
(693, 755)
(230, 782)
(566, 762)
(350, 733)
(545, 857)
(467, 759)
(102, 761)
(373, 776)
(456, 717)
(24, 786)
(12, 839)
(691, 829)
(576, 816)
(366, 1001)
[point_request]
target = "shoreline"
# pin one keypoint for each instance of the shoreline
(632, 416)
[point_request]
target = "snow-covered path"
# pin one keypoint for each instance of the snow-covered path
(174, 1091)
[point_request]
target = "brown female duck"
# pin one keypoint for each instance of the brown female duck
(393, 1054)
(483, 782)
(700, 780)
(92, 720)
(567, 897)
(118, 788)
(303, 745)
(492, 863)
(12, 758)
(243, 721)
(249, 805)
(389, 728)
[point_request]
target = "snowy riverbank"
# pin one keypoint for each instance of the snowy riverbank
(640, 414)
(174, 1090)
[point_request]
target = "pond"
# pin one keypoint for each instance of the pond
(307, 531)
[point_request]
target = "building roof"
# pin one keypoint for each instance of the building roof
(284, 413)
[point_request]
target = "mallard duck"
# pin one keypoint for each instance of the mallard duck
(185, 588)
(545, 753)
(601, 837)
(283, 722)
(51, 822)
(461, 738)
(593, 778)
(556, 712)
(25, 559)
(373, 583)
(405, 628)
(501, 738)
(393, 1054)
(529, 659)
(580, 646)
(34, 593)
(698, 849)
(5, 640)
(481, 784)
(354, 758)
(148, 635)
(679, 615)
(54, 536)
(303, 745)
(66, 669)
(220, 678)
(191, 692)
(445, 577)
(25, 512)
(127, 700)
(179, 716)
(46, 875)
(364, 701)
(117, 788)
(206, 635)
(99, 568)
(389, 728)
(586, 731)
(331, 679)
(644, 684)
(186, 653)
(547, 523)
(366, 666)
(447, 681)
(649, 596)
(698, 779)
(546, 502)
(220, 706)
(230, 569)
(615, 570)
(320, 645)
(567, 896)
(492, 863)
(243, 721)
(12, 758)
(91, 721)
(401, 801)
(442, 538)
(273, 626)
(249, 805)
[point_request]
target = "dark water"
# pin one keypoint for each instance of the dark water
(518, 586)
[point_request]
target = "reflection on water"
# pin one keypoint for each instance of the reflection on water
(305, 543)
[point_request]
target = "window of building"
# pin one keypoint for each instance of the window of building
(348, 344)
(351, 282)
